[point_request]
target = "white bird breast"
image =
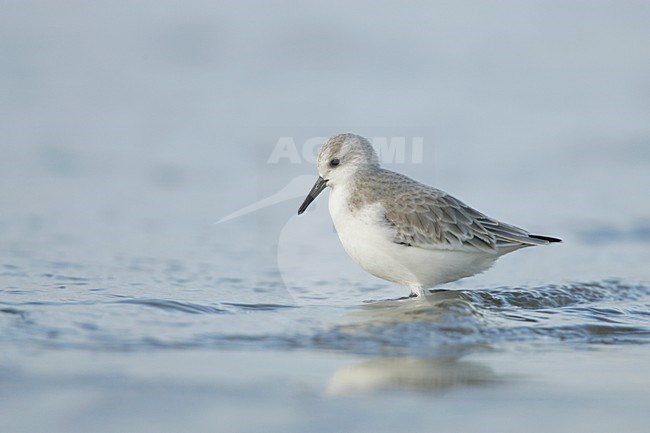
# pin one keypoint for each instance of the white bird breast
(369, 242)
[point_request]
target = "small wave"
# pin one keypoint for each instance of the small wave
(258, 307)
(608, 312)
(595, 333)
(60, 277)
(571, 315)
(14, 312)
(554, 296)
(168, 305)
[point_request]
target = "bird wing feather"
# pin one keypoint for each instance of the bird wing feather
(428, 218)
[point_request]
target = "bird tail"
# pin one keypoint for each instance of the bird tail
(548, 239)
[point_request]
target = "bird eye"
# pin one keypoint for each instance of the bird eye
(335, 162)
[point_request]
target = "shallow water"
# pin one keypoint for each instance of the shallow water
(124, 306)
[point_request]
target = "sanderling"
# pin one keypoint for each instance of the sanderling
(404, 231)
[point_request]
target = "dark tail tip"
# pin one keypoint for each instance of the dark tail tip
(545, 238)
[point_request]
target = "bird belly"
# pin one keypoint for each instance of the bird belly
(370, 244)
(434, 267)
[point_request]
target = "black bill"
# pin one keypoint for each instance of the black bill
(319, 186)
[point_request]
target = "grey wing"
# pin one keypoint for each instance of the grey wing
(432, 219)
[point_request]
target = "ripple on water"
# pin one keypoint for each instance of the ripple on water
(258, 307)
(168, 305)
(555, 296)
(607, 312)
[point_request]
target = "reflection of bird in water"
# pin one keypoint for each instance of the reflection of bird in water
(409, 374)
(433, 333)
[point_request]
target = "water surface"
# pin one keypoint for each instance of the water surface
(129, 130)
